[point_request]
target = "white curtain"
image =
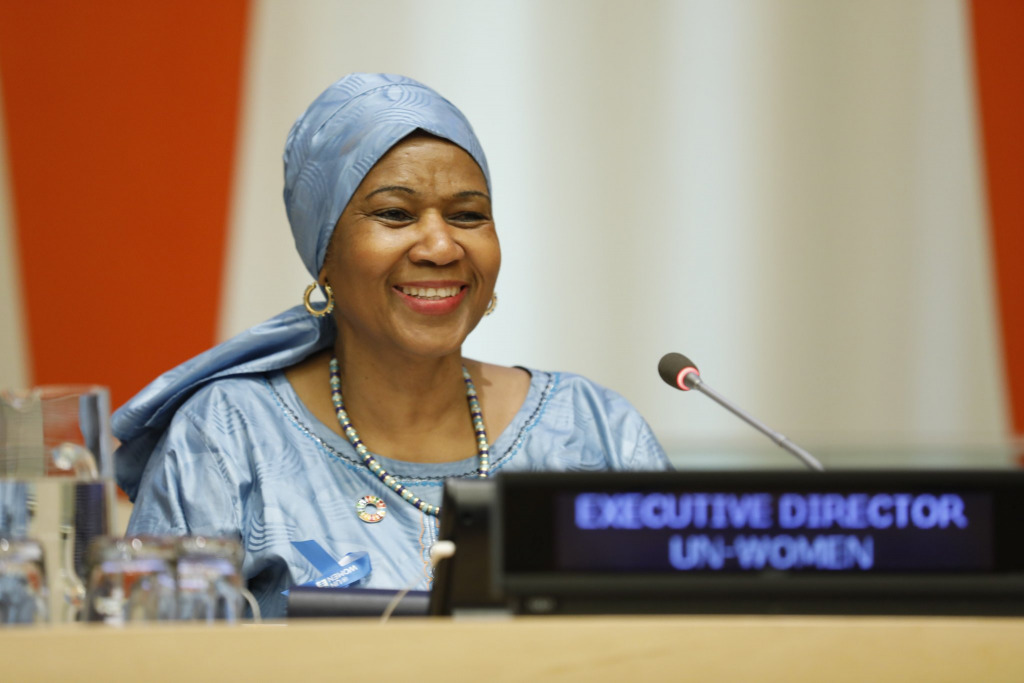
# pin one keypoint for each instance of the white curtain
(13, 349)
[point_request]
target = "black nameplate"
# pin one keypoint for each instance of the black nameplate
(888, 542)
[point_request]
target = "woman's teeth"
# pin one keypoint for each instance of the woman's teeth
(429, 292)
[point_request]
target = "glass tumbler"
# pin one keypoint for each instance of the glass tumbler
(131, 579)
(209, 579)
(23, 592)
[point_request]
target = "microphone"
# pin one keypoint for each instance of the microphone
(680, 372)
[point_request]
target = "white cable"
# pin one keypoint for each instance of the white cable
(253, 605)
(439, 551)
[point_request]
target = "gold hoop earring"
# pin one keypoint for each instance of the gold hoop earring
(492, 304)
(309, 306)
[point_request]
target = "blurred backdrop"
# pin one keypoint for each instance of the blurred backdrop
(816, 200)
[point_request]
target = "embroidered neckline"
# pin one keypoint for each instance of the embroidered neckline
(310, 431)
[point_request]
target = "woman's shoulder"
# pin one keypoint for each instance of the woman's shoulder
(219, 397)
(215, 416)
(524, 389)
(233, 414)
(224, 417)
(238, 392)
(572, 422)
(582, 393)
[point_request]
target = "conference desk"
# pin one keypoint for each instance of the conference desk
(698, 648)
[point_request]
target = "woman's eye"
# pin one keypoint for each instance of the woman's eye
(394, 215)
(469, 217)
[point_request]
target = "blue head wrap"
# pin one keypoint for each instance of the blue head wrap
(329, 151)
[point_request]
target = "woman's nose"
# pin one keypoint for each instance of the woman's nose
(436, 243)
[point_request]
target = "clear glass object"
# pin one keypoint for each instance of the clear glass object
(209, 579)
(56, 482)
(131, 579)
(23, 590)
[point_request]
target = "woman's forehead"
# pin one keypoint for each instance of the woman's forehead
(424, 159)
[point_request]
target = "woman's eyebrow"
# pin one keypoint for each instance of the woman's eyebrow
(391, 188)
(472, 193)
(409, 190)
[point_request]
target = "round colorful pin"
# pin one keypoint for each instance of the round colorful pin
(371, 509)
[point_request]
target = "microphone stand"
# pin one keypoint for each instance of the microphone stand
(694, 381)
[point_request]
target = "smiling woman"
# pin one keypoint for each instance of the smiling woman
(323, 436)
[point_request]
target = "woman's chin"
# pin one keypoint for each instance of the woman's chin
(419, 337)
(430, 344)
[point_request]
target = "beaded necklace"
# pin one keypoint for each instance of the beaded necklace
(482, 447)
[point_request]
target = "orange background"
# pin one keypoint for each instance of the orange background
(998, 26)
(121, 121)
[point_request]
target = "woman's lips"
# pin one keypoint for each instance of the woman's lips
(432, 298)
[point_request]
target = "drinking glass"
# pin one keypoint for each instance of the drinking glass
(131, 579)
(209, 579)
(23, 591)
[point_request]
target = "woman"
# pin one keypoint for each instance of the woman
(325, 434)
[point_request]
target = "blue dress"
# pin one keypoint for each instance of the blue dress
(243, 457)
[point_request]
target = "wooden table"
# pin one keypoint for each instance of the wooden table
(534, 648)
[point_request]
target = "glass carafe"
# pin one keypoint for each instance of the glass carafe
(56, 483)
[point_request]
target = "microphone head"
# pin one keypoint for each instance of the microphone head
(678, 371)
(441, 550)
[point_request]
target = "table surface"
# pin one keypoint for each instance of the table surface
(763, 648)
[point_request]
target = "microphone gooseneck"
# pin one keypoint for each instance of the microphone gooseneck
(441, 550)
(681, 373)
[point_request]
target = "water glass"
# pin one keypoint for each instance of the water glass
(209, 580)
(23, 590)
(131, 579)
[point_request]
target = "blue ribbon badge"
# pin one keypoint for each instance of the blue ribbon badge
(333, 573)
